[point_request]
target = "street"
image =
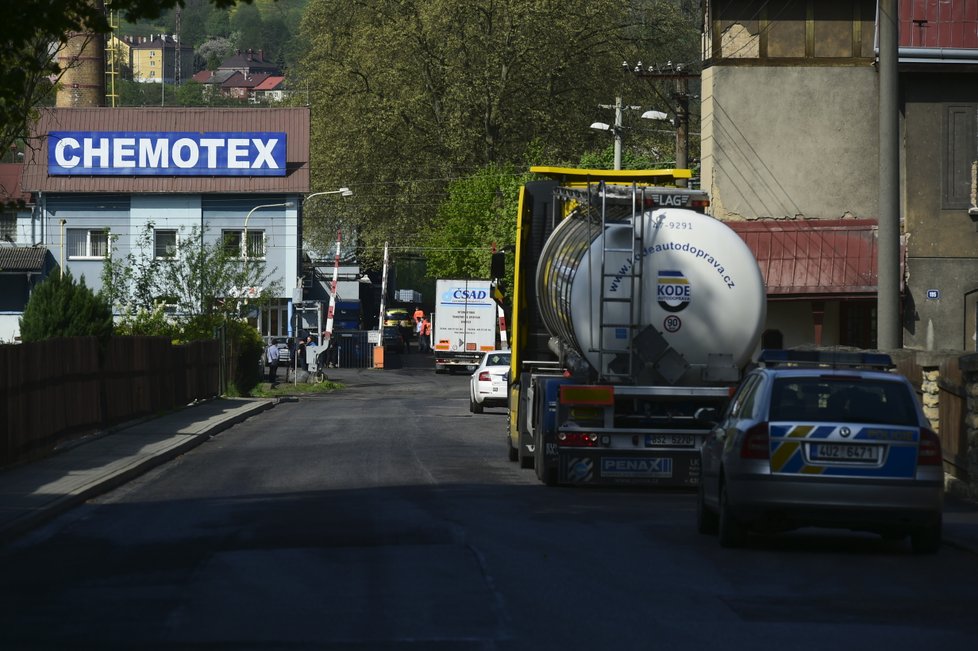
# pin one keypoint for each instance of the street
(386, 516)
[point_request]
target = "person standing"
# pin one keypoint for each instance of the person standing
(271, 356)
(425, 343)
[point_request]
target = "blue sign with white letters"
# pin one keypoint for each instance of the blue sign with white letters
(179, 153)
(933, 294)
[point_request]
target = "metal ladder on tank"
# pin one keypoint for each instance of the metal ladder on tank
(629, 292)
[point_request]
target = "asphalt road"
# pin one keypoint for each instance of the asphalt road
(386, 516)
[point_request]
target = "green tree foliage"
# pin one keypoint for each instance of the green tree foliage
(408, 95)
(26, 59)
(60, 307)
(480, 213)
(202, 279)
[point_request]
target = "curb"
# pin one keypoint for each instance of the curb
(106, 483)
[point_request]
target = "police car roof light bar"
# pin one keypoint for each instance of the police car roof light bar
(825, 358)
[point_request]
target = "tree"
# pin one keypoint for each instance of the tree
(478, 216)
(60, 307)
(200, 279)
(408, 95)
(26, 59)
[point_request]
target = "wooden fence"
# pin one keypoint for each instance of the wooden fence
(952, 402)
(55, 390)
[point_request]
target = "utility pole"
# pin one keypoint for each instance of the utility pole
(616, 130)
(678, 103)
(889, 326)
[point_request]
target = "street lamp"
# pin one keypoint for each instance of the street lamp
(343, 192)
(244, 236)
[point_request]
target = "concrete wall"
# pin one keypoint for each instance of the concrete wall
(943, 242)
(790, 142)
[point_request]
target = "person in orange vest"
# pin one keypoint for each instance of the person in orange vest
(424, 343)
(418, 313)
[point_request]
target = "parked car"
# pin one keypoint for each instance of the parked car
(826, 439)
(393, 339)
(489, 381)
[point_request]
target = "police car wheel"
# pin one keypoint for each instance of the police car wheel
(926, 540)
(732, 532)
(707, 522)
(474, 407)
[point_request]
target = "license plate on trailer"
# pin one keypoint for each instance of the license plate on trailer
(844, 452)
(654, 440)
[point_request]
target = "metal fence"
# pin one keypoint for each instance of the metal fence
(353, 350)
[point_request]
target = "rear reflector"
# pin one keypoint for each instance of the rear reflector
(929, 449)
(757, 443)
(578, 439)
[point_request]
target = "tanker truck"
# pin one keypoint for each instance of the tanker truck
(631, 310)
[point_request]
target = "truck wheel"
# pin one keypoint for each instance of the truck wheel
(525, 457)
(545, 473)
(707, 521)
(732, 532)
(512, 452)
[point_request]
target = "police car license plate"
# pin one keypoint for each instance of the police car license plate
(653, 440)
(844, 452)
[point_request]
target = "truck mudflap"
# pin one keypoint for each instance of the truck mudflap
(660, 468)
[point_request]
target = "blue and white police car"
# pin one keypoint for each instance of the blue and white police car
(825, 439)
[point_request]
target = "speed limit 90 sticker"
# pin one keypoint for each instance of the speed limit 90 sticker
(672, 323)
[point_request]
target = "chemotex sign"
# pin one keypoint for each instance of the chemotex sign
(146, 153)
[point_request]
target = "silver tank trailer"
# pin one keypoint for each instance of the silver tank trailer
(699, 304)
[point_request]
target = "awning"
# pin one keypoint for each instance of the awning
(828, 258)
(22, 259)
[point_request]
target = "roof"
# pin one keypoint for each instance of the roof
(271, 83)
(10, 184)
(19, 259)
(248, 60)
(831, 257)
(214, 76)
(294, 121)
(238, 80)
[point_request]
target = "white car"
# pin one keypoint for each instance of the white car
(488, 385)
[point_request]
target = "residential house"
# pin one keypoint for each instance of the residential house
(23, 259)
(790, 156)
(161, 58)
(245, 76)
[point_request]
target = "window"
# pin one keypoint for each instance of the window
(165, 244)
(234, 244)
(960, 135)
(85, 243)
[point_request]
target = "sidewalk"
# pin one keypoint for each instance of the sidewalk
(34, 493)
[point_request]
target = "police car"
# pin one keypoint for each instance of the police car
(827, 439)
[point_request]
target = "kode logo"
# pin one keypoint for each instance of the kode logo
(673, 290)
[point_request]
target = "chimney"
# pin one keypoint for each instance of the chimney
(261, 55)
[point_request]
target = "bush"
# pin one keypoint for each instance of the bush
(60, 307)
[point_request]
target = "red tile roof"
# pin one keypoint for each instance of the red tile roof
(271, 83)
(834, 257)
